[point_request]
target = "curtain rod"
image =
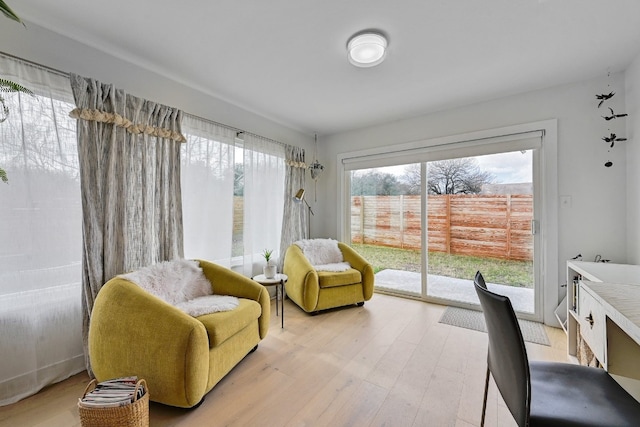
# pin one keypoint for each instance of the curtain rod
(238, 131)
(35, 64)
(67, 74)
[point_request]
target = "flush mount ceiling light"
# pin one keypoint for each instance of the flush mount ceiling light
(367, 48)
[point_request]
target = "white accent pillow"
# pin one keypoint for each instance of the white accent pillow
(321, 251)
(172, 281)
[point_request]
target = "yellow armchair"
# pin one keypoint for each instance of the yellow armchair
(181, 357)
(314, 290)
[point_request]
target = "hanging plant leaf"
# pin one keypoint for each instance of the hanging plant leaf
(316, 168)
(4, 110)
(7, 86)
(6, 10)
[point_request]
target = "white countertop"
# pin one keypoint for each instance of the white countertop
(607, 272)
(621, 304)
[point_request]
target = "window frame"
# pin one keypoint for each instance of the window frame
(471, 144)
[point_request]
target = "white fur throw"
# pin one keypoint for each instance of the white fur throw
(181, 283)
(320, 251)
(323, 254)
(336, 267)
(208, 304)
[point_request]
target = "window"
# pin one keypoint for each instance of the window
(534, 142)
(40, 231)
(233, 194)
(41, 221)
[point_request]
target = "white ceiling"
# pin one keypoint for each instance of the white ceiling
(286, 59)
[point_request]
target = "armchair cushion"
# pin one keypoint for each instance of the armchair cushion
(339, 266)
(328, 279)
(225, 324)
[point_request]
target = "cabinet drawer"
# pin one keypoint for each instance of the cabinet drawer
(592, 323)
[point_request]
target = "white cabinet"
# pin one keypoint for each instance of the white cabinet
(591, 317)
(604, 306)
(581, 305)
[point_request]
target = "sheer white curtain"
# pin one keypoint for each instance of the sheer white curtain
(232, 195)
(40, 231)
(264, 176)
(207, 169)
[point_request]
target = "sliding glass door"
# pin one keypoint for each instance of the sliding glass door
(428, 227)
(479, 218)
(386, 225)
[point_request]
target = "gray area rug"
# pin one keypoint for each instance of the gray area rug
(471, 319)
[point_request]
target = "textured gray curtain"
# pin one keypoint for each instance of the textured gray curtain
(295, 215)
(129, 162)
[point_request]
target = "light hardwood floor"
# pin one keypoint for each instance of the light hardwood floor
(389, 363)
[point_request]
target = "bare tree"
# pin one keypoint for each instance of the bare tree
(412, 178)
(456, 176)
(238, 179)
(375, 183)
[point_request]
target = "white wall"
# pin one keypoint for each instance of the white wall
(596, 221)
(62, 53)
(632, 88)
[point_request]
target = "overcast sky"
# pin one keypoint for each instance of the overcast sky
(506, 168)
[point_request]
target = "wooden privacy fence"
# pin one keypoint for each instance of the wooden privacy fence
(486, 225)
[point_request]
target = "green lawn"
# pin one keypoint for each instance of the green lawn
(506, 272)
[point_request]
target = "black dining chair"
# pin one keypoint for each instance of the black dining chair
(546, 393)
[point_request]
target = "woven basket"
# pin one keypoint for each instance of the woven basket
(134, 415)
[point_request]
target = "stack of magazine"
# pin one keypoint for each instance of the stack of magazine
(116, 392)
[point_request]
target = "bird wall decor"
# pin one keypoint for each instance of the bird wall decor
(614, 115)
(612, 138)
(604, 96)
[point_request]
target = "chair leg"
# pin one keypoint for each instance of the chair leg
(197, 405)
(484, 401)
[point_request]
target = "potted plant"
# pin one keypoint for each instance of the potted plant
(269, 270)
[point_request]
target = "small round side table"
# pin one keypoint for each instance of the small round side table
(280, 280)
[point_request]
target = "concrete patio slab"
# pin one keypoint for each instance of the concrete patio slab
(451, 288)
